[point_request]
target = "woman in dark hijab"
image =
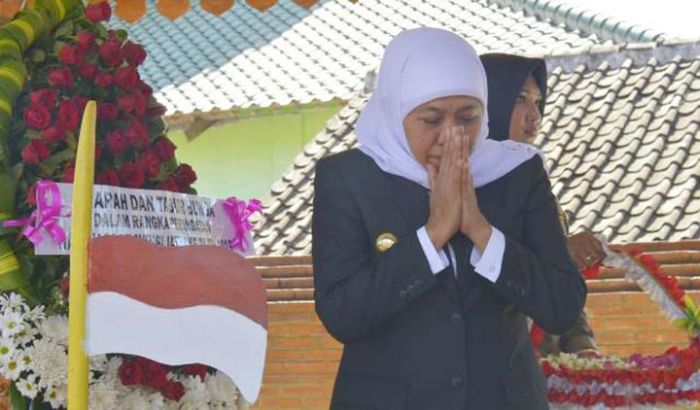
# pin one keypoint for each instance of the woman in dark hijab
(517, 91)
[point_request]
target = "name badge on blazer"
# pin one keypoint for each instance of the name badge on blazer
(385, 241)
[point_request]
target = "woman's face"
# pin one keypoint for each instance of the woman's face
(525, 119)
(426, 125)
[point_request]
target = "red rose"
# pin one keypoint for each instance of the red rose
(54, 134)
(145, 88)
(130, 373)
(185, 176)
(134, 53)
(80, 102)
(116, 142)
(61, 77)
(68, 115)
(173, 390)
(133, 103)
(98, 152)
(108, 177)
(69, 54)
(103, 80)
(126, 78)
(111, 53)
(169, 185)
(83, 50)
(137, 134)
(68, 173)
(155, 111)
(88, 71)
(85, 38)
(43, 97)
(37, 117)
(65, 286)
(97, 12)
(150, 164)
(131, 176)
(31, 195)
(196, 370)
(108, 111)
(35, 152)
(164, 148)
(154, 374)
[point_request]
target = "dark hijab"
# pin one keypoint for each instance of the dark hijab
(506, 75)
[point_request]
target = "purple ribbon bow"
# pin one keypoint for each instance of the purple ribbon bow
(239, 212)
(44, 217)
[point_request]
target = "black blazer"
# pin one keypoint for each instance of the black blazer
(411, 339)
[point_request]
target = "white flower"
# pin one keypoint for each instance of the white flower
(7, 349)
(27, 386)
(25, 358)
(14, 301)
(55, 328)
(50, 362)
(11, 323)
(156, 401)
(222, 390)
(13, 367)
(26, 336)
(36, 314)
(110, 372)
(103, 396)
(196, 395)
(98, 362)
(56, 396)
(135, 399)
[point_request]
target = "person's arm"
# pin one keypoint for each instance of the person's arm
(357, 288)
(537, 273)
(579, 339)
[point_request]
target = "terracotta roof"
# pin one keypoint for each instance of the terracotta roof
(208, 66)
(620, 136)
(290, 278)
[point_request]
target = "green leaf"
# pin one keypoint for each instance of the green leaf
(64, 29)
(38, 56)
(17, 401)
(58, 158)
(122, 35)
(156, 127)
(31, 134)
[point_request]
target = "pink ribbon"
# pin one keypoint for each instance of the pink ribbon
(239, 212)
(44, 217)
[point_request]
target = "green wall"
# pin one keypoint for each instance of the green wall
(245, 157)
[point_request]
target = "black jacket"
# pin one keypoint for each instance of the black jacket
(411, 339)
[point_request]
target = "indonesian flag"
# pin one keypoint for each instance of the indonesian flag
(194, 304)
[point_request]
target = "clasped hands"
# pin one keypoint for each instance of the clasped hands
(453, 202)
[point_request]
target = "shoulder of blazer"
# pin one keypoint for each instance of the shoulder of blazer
(523, 176)
(351, 164)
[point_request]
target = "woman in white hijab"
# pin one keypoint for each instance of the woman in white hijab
(426, 273)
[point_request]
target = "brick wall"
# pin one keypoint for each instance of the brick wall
(302, 358)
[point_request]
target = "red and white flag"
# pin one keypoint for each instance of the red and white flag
(194, 304)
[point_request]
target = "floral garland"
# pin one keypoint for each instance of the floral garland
(672, 378)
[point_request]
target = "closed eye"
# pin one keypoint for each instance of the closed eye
(432, 121)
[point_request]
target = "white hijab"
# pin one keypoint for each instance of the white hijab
(418, 66)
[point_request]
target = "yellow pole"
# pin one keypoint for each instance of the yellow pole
(81, 228)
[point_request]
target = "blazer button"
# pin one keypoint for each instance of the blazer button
(455, 318)
(457, 382)
(418, 283)
(411, 289)
(403, 294)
